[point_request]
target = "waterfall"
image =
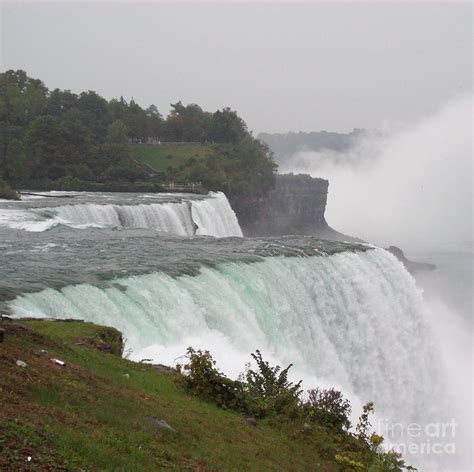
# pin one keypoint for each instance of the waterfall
(354, 320)
(214, 216)
(211, 215)
(174, 218)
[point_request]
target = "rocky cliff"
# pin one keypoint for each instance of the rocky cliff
(295, 206)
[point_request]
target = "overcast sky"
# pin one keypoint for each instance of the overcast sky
(282, 67)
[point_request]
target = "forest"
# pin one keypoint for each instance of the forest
(57, 139)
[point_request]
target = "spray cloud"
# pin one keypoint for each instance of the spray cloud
(410, 186)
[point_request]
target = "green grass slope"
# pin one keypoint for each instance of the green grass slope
(161, 157)
(100, 411)
(91, 414)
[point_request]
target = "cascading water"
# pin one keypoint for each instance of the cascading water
(354, 320)
(215, 217)
(345, 315)
(174, 218)
(211, 215)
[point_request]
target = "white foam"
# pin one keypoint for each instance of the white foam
(354, 320)
(211, 216)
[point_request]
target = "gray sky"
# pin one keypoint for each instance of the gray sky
(282, 67)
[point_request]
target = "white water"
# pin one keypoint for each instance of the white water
(215, 217)
(174, 218)
(356, 321)
(211, 216)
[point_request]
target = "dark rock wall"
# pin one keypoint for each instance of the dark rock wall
(295, 206)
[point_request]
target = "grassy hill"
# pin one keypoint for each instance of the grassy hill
(100, 411)
(93, 413)
(161, 157)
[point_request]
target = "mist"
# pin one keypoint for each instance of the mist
(408, 185)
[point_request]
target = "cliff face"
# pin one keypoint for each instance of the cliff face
(295, 206)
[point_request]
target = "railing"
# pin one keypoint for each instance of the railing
(156, 142)
(192, 187)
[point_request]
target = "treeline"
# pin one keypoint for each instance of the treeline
(59, 139)
(48, 135)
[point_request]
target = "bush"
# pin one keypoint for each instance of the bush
(389, 461)
(7, 192)
(328, 408)
(81, 172)
(202, 378)
(268, 390)
(68, 183)
(260, 393)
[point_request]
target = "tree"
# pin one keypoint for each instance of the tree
(115, 149)
(95, 113)
(56, 135)
(21, 97)
(54, 144)
(227, 127)
(118, 109)
(188, 123)
(61, 101)
(155, 121)
(40, 137)
(16, 161)
(7, 132)
(137, 121)
(117, 133)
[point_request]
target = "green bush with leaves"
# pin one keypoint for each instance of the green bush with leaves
(268, 390)
(329, 408)
(388, 461)
(201, 377)
(259, 393)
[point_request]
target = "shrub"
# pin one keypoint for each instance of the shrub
(389, 461)
(363, 425)
(259, 393)
(68, 183)
(7, 192)
(81, 172)
(269, 391)
(328, 408)
(202, 378)
(266, 392)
